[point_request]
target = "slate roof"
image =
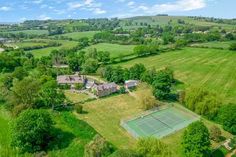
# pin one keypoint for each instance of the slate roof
(106, 86)
(131, 83)
(70, 79)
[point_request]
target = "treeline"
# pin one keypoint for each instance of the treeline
(211, 106)
(49, 44)
(161, 81)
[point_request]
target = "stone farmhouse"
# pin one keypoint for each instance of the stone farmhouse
(105, 89)
(71, 80)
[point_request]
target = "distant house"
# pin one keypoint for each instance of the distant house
(105, 89)
(89, 84)
(71, 80)
(131, 84)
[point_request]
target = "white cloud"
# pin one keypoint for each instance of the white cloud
(5, 8)
(179, 5)
(89, 5)
(44, 17)
(37, 1)
(99, 11)
(131, 3)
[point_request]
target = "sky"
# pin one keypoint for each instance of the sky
(20, 10)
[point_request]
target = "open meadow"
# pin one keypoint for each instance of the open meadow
(208, 68)
(29, 32)
(115, 50)
(78, 35)
(214, 44)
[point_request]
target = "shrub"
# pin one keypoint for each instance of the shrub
(122, 90)
(233, 47)
(227, 116)
(79, 109)
(215, 133)
(98, 147)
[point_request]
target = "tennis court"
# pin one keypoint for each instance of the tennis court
(160, 123)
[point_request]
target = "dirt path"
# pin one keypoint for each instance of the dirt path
(231, 154)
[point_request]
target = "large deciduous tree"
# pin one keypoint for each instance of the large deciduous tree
(196, 140)
(31, 130)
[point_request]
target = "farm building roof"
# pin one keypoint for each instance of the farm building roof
(70, 79)
(106, 86)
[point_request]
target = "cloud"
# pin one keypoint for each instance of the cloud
(89, 5)
(131, 3)
(5, 8)
(44, 17)
(99, 11)
(37, 1)
(177, 6)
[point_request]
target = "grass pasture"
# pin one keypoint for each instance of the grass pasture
(78, 35)
(115, 49)
(210, 68)
(215, 44)
(46, 51)
(36, 32)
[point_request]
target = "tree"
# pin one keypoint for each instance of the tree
(148, 102)
(31, 131)
(136, 71)
(24, 92)
(215, 133)
(152, 147)
(50, 96)
(196, 140)
(103, 56)
(19, 73)
(202, 102)
(149, 75)
(162, 85)
(90, 66)
(98, 147)
(73, 62)
(227, 116)
(233, 47)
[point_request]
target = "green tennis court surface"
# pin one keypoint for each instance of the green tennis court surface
(160, 123)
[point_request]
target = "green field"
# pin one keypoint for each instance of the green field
(215, 44)
(36, 32)
(46, 51)
(114, 49)
(78, 35)
(209, 68)
(164, 20)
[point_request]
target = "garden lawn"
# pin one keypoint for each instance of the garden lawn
(76, 97)
(209, 68)
(106, 113)
(115, 50)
